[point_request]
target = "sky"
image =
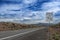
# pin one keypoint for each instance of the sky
(29, 11)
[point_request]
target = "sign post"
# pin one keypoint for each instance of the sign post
(49, 18)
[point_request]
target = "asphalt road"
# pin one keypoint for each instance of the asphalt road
(27, 34)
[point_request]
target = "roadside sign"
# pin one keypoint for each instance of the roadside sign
(49, 16)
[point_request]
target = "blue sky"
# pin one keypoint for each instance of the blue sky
(29, 11)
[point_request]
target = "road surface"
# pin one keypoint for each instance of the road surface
(27, 34)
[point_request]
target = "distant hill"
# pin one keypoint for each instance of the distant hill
(43, 24)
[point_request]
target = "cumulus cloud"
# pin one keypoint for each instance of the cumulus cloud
(29, 1)
(29, 11)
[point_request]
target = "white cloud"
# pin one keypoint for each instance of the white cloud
(32, 16)
(51, 6)
(29, 1)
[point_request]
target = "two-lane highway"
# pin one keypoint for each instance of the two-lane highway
(27, 34)
(36, 35)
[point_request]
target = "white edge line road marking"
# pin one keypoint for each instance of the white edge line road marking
(19, 34)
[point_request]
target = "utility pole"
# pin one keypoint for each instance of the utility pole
(49, 18)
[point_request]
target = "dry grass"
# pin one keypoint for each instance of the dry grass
(55, 32)
(14, 26)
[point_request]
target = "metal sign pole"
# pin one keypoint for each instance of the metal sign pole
(49, 18)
